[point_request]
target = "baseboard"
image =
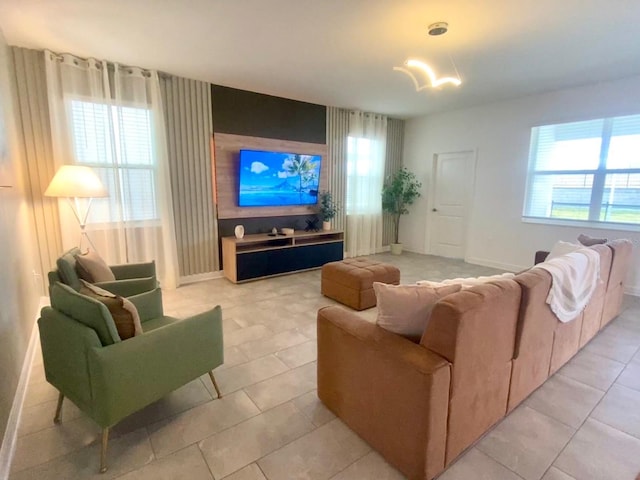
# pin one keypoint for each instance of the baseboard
(508, 267)
(11, 432)
(201, 277)
(635, 291)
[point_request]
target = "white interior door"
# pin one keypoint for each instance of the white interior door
(453, 175)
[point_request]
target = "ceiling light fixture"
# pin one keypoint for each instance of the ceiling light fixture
(438, 28)
(435, 29)
(430, 74)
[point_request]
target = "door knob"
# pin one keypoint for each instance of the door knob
(434, 209)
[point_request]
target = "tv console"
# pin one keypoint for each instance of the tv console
(261, 255)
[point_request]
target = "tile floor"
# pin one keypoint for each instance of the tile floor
(583, 423)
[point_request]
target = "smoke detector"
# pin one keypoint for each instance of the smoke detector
(438, 28)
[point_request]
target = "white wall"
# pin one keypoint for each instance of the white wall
(19, 294)
(499, 132)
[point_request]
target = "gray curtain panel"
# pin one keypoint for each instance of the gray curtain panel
(187, 108)
(393, 162)
(337, 133)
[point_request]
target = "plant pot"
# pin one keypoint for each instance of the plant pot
(326, 225)
(396, 248)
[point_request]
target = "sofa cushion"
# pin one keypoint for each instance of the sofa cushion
(66, 264)
(92, 268)
(123, 312)
(406, 309)
(88, 311)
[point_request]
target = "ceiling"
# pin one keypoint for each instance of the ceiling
(342, 52)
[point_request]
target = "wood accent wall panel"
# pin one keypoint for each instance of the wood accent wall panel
(226, 150)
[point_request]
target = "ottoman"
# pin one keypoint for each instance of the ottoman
(350, 281)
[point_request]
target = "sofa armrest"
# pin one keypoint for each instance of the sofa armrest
(129, 375)
(134, 270)
(129, 286)
(148, 304)
(391, 391)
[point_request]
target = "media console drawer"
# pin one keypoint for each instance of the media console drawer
(260, 255)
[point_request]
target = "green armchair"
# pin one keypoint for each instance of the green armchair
(131, 279)
(108, 378)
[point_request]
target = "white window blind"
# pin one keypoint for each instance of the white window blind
(116, 141)
(585, 171)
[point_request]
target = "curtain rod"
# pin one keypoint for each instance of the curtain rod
(110, 65)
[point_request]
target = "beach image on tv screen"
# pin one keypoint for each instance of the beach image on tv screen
(275, 178)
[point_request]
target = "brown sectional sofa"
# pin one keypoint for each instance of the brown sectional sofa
(484, 350)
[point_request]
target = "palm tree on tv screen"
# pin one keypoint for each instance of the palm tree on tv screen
(303, 167)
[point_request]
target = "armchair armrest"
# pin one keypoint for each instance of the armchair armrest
(134, 270)
(65, 343)
(130, 286)
(366, 372)
(129, 375)
(148, 304)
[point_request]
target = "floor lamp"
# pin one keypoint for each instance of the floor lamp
(75, 182)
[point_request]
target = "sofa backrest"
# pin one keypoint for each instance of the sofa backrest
(543, 343)
(85, 310)
(622, 250)
(66, 264)
(621, 259)
(591, 321)
(534, 336)
(475, 330)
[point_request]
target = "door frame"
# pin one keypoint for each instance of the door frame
(470, 191)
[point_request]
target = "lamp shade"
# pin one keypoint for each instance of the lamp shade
(76, 181)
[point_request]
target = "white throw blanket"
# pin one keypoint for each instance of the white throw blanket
(574, 277)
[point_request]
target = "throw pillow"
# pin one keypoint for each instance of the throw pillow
(588, 241)
(562, 248)
(467, 282)
(406, 309)
(123, 311)
(92, 268)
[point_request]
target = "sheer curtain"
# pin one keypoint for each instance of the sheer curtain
(109, 117)
(366, 147)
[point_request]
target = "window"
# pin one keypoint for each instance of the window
(116, 141)
(585, 171)
(364, 176)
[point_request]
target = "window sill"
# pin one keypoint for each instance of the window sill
(561, 222)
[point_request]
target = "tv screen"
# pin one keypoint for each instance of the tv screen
(278, 179)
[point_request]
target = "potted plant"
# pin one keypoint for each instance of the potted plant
(400, 190)
(327, 209)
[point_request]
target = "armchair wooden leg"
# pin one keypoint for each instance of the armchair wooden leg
(103, 451)
(58, 418)
(215, 385)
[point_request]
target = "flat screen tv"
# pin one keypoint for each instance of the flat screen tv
(278, 179)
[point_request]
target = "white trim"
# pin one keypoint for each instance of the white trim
(507, 267)
(201, 277)
(9, 441)
(629, 290)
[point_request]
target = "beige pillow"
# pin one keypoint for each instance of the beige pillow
(467, 282)
(406, 309)
(123, 311)
(588, 241)
(92, 268)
